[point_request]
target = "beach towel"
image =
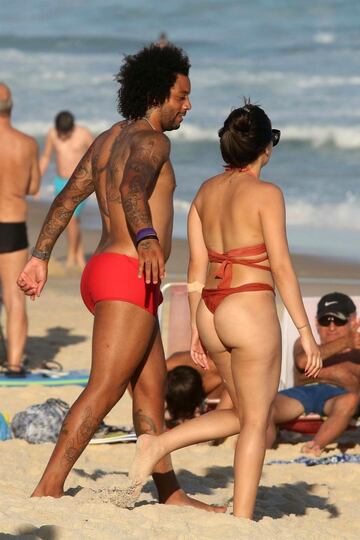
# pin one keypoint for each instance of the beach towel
(310, 462)
(47, 377)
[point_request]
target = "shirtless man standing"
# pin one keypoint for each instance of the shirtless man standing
(69, 142)
(130, 171)
(19, 176)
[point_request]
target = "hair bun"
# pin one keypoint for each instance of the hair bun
(241, 124)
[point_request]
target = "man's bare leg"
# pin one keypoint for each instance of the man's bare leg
(149, 387)
(14, 299)
(75, 255)
(116, 353)
(339, 411)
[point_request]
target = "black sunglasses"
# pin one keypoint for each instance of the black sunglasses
(326, 320)
(275, 136)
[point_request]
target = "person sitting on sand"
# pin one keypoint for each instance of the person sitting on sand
(238, 252)
(69, 141)
(336, 392)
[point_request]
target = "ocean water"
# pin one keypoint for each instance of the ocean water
(299, 60)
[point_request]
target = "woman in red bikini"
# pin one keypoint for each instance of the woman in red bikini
(238, 253)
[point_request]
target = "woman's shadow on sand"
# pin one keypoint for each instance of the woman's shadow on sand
(40, 350)
(272, 501)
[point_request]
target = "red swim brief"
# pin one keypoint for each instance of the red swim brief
(113, 276)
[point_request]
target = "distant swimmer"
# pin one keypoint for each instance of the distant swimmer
(19, 176)
(69, 141)
(162, 40)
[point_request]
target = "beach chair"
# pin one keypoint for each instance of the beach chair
(174, 318)
(310, 423)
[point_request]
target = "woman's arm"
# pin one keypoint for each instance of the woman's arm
(197, 270)
(272, 215)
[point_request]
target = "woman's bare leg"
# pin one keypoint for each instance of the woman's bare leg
(150, 449)
(117, 351)
(249, 325)
(215, 424)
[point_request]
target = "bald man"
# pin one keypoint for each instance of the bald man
(19, 176)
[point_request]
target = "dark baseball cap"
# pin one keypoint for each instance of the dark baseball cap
(337, 304)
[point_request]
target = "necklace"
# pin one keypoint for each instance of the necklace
(148, 121)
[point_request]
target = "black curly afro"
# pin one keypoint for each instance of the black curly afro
(146, 78)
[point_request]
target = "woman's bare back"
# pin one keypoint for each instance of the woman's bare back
(229, 207)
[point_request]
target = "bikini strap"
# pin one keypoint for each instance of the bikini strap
(227, 260)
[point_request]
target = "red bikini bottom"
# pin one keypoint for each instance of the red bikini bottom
(113, 276)
(213, 297)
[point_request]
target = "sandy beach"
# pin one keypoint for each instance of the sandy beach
(294, 501)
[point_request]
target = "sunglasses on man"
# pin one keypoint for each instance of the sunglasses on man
(328, 319)
(275, 136)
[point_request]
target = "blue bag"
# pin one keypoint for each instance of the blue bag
(5, 432)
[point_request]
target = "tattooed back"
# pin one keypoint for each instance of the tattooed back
(133, 178)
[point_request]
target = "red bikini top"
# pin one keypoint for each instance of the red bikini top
(234, 256)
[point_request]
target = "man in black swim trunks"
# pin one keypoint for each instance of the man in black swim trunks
(19, 176)
(335, 393)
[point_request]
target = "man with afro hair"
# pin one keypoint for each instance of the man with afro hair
(128, 167)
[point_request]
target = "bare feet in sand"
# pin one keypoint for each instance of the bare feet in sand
(311, 448)
(179, 498)
(148, 453)
(38, 492)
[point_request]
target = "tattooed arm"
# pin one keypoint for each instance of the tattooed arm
(80, 185)
(147, 155)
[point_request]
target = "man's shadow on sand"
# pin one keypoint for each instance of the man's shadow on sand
(46, 532)
(40, 350)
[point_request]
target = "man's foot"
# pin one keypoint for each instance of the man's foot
(179, 498)
(311, 448)
(39, 492)
(15, 371)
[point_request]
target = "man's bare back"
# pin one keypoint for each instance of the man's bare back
(108, 157)
(19, 169)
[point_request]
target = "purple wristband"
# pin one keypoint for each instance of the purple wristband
(143, 233)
